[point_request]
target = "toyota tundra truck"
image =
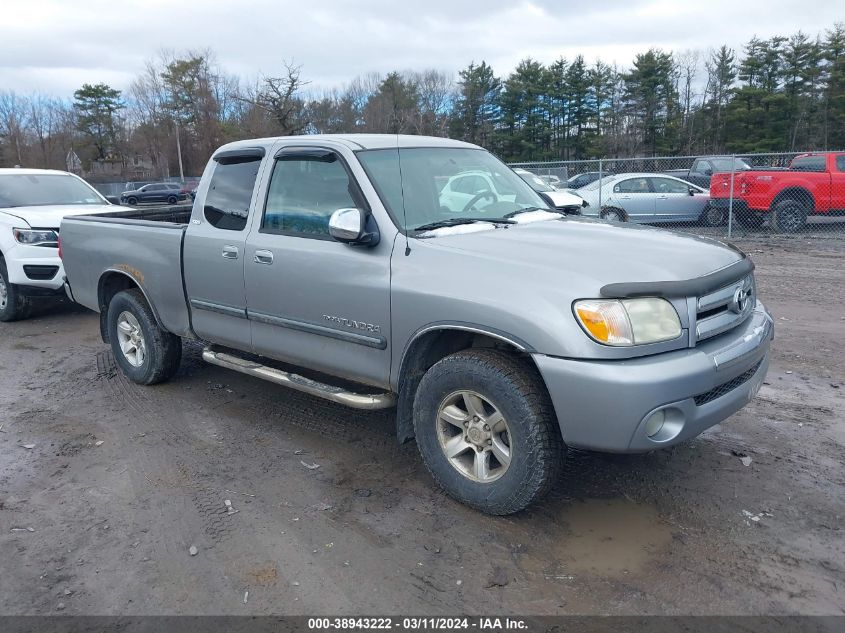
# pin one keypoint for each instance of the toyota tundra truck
(814, 184)
(500, 331)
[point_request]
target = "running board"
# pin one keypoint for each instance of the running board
(300, 383)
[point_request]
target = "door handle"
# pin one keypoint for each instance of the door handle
(230, 252)
(624, 197)
(263, 257)
(662, 197)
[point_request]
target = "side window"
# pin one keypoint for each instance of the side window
(809, 163)
(702, 167)
(304, 192)
(666, 185)
(840, 162)
(632, 185)
(230, 192)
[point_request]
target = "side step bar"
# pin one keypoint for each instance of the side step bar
(300, 383)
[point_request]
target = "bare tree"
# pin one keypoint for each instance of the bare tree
(279, 98)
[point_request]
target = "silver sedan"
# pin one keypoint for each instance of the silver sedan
(649, 198)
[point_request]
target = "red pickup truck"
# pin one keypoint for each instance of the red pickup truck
(814, 184)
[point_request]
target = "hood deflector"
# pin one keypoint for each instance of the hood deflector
(683, 288)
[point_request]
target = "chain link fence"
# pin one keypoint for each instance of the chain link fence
(734, 196)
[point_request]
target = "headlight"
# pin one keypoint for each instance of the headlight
(35, 237)
(628, 321)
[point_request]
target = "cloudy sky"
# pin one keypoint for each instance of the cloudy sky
(53, 46)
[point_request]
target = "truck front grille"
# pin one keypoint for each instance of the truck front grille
(725, 308)
(726, 387)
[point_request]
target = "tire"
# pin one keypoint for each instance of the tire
(132, 200)
(157, 353)
(614, 215)
(789, 216)
(713, 216)
(172, 200)
(14, 305)
(495, 382)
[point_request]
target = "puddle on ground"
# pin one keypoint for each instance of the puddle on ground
(609, 537)
(602, 537)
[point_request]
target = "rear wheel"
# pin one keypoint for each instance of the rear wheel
(487, 431)
(172, 200)
(613, 215)
(14, 305)
(146, 353)
(789, 216)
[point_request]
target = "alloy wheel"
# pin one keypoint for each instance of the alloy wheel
(474, 436)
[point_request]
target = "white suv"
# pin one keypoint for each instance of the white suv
(32, 205)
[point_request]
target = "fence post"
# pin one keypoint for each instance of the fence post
(731, 198)
(600, 177)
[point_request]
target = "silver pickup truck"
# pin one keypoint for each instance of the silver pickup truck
(380, 271)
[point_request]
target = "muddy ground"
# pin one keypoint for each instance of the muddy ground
(99, 515)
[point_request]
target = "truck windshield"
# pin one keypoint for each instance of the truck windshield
(421, 186)
(37, 190)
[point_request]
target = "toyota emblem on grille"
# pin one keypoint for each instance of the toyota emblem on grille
(739, 301)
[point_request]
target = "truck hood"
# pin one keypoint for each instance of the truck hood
(591, 253)
(50, 216)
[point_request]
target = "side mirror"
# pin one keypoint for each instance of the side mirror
(692, 191)
(353, 226)
(707, 171)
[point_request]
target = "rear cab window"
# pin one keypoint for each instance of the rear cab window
(230, 191)
(840, 162)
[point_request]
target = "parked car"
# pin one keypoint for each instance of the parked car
(565, 201)
(704, 167)
(814, 184)
(168, 192)
(134, 185)
(649, 198)
(32, 204)
(499, 332)
(581, 180)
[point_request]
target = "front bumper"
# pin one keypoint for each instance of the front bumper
(35, 267)
(605, 405)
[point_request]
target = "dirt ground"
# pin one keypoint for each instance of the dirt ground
(98, 516)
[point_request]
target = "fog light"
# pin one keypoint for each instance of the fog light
(654, 424)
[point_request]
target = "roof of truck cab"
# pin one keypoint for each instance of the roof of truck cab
(21, 171)
(359, 141)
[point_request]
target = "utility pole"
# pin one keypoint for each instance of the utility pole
(179, 154)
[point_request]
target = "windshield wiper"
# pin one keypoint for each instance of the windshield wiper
(458, 221)
(529, 209)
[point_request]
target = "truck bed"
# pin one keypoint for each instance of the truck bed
(142, 244)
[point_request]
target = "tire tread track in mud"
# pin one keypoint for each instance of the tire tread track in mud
(170, 425)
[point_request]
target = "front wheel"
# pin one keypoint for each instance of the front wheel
(14, 305)
(146, 353)
(487, 431)
(132, 201)
(713, 216)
